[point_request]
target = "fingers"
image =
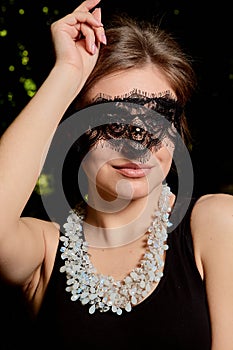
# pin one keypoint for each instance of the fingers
(84, 17)
(90, 27)
(90, 38)
(95, 16)
(87, 5)
(99, 31)
(82, 25)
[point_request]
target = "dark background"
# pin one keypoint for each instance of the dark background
(203, 29)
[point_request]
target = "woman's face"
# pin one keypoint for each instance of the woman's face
(111, 172)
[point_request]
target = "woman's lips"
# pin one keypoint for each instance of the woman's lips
(133, 170)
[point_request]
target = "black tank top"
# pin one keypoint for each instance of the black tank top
(174, 316)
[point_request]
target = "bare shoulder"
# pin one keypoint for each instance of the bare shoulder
(216, 207)
(212, 220)
(49, 232)
(34, 221)
(49, 229)
(212, 231)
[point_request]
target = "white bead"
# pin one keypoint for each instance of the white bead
(142, 284)
(92, 296)
(92, 309)
(128, 280)
(85, 301)
(119, 311)
(128, 307)
(133, 300)
(114, 308)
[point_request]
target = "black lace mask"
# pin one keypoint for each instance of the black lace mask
(132, 124)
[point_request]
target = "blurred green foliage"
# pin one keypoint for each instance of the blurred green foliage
(44, 185)
(25, 46)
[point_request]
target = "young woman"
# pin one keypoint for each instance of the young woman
(134, 263)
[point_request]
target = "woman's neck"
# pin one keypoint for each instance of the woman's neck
(116, 228)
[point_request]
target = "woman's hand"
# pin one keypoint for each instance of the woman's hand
(77, 37)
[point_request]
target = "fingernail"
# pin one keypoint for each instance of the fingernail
(93, 48)
(103, 39)
(99, 23)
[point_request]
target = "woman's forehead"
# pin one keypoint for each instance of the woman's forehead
(148, 79)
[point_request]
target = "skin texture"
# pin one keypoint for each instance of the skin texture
(28, 245)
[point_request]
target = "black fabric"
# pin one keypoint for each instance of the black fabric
(174, 316)
(15, 317)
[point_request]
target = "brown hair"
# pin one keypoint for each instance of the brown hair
(134, 44)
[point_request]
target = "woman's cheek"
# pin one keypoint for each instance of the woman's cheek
(164, 157)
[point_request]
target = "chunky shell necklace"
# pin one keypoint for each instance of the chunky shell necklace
(103, 292)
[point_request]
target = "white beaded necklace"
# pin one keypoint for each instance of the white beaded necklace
(103, 292)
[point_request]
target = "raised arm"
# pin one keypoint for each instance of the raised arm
(23, 146)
